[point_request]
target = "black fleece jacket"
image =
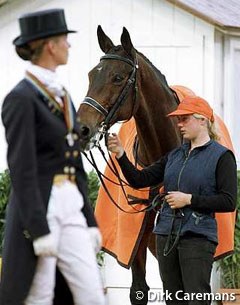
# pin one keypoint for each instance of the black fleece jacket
(226, 180)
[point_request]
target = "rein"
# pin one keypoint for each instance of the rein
(151, 204)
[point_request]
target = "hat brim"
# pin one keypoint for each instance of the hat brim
(21, 41)
(180, 112)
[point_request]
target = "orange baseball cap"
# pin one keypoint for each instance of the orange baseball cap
(194, 104)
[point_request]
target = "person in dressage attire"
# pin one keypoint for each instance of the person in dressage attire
(51, 235)
(199, 179)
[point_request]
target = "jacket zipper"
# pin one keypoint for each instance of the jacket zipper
(180, 174)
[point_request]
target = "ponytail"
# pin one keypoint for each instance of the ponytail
(211, 126)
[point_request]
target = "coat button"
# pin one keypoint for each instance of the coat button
(72, 170)
(75, 153)
(26, 234)
(67, 154)
(66, 170)
(75, 137)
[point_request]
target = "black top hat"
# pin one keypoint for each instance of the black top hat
(41, 24)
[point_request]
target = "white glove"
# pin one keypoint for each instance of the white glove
(96, 238)
(45, 245)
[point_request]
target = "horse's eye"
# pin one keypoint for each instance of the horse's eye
(117, 78)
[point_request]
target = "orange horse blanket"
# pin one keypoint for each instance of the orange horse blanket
(121, 231)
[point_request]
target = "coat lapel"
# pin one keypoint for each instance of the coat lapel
(66, 110)
(48, 98)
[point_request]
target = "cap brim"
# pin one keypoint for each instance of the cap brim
(180, 112)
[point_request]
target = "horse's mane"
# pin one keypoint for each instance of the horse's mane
(161, 77)
(158, 73)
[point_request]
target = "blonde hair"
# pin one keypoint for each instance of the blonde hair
(211, 126)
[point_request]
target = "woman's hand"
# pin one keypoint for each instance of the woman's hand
(114, 145)
(45, 245)
(177, 200)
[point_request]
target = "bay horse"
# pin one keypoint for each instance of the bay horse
(125, 85)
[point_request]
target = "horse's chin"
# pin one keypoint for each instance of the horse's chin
(88, 144)
(85, 145)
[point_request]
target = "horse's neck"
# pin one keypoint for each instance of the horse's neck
(157, 134)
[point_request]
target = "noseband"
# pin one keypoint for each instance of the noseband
(108, 114)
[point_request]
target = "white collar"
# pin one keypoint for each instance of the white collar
(48, 78)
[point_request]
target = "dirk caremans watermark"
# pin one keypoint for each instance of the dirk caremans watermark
(180, 295)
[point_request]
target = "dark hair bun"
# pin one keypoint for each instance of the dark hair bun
(24, 52)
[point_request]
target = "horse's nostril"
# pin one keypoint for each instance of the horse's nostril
(85, 131)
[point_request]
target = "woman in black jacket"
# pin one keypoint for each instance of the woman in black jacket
(199, 179)
(49, 223)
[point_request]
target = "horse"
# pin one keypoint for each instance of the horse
(126, 86)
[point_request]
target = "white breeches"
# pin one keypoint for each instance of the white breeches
(76, 258)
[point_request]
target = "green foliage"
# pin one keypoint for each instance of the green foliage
(93, 187)
(4, 194)
(230, 266)
(100, 258)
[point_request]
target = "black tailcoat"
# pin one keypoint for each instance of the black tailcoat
(37, 150)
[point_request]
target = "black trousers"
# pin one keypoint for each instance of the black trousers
(186, 271)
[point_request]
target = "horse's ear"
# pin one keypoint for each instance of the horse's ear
(127, 43)
(104, 41)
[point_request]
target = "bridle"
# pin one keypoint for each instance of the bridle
(109, 114)
(102, 131)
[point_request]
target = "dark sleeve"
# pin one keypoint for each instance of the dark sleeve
(226, 198)
(19, 120)
(89, 214)
(149, 176)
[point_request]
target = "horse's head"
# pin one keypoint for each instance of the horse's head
(112, 84)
